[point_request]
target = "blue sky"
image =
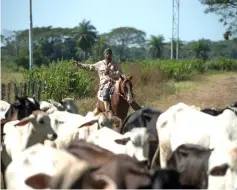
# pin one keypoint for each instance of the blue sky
(152, 16)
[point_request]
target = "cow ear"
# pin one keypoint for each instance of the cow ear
(219, 170)
(38, 181)
(122, 141)
(121, 77)
(89, 123)
(25, 120)
(17, 102)
(104, 182)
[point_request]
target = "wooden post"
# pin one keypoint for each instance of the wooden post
(9, 92)
(3, 92)
(15, 91)
(20, 89)
(33, 88)
(39, 91)
(25, 89)
(29, 88)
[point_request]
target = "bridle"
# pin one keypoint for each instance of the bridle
(118, 93)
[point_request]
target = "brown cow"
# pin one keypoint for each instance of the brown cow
(191, 161)
(95, 155)
(106, 171)
(125, 171)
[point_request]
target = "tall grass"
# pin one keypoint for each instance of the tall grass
(63, 79)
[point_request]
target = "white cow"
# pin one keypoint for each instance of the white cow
(24, 133)
(66, 104)
(181, 124)
(71, 126)
(4, 107)
(49, 108)
(222, 168)
(38, 161)
(134, 143)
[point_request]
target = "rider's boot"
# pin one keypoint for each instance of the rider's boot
(107, 106)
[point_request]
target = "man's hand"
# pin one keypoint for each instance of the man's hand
(75, 63)
(106, 71)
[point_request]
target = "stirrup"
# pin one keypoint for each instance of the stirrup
(107, 105)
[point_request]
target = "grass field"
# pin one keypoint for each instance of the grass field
(212, 89)
(209, 89)
(206, 90)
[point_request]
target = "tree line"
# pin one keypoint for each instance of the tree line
(84, 42)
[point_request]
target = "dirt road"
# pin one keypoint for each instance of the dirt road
(217, 90)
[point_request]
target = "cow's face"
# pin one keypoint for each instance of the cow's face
(25, 106)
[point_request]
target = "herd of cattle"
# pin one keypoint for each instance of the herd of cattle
(50, 145)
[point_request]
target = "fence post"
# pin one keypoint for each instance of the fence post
(33, 88)
(39, 90)
(3, 92)
(15, 91)
(25, 89)
(8, 92)
(20, 89)
(29, 88)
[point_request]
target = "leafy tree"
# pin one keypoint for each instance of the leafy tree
(98, 48)
(128, 44)
(156, 45)
(86, 35)
(13, 42)
(227, 10)
(124, 38)
(201, 48)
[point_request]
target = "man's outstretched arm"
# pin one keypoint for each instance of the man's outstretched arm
(90, 67)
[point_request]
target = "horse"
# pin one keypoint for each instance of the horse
(121, 99)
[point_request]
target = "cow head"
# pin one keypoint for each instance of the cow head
(25, 106)
(41, 123)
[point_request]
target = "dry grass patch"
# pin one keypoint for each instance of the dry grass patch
(216, 90)
(206, 90)
(7, 77)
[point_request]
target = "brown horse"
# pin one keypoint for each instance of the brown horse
(121, 99)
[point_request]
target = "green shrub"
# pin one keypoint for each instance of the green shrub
(62, 80)
(65, 80)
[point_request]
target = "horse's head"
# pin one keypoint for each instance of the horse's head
(126, 90)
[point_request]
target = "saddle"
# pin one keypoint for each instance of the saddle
(111, 91)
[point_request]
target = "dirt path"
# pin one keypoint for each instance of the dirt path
(208, 90)
(216, 90)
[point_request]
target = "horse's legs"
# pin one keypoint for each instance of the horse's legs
(96, 111)
(135, 106)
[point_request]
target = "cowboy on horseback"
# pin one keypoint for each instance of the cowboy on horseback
(108, 73)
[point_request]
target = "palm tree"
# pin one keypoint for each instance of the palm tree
(156, 45)
(86, 36)
(201, 48)
(98, 48)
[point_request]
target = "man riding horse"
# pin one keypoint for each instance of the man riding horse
(108, 73)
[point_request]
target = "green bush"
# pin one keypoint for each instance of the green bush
(62, 80)
(223, 64)
(65, 80)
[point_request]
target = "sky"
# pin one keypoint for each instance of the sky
(152, 16)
